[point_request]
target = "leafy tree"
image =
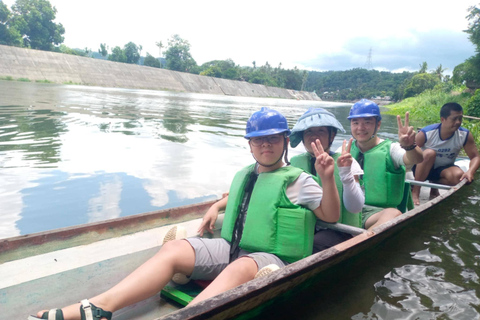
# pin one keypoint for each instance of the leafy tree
(473, 107)
(292, 78)
(159, 44)
(118, 55)
(103, 49)
(423, 67)
(34, 20)
(419, 83)
(151, 61)
(132, 52)
(178, 55)
(9, 35)
(221, 69)
(439, 72)
(469, 71)
(474, 26)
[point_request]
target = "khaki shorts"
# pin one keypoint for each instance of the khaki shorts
(213, 255)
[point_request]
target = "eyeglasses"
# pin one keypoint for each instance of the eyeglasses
(258, 141)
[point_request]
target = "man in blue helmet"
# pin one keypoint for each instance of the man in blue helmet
(270, 216)
(382, 161)
(318, 123)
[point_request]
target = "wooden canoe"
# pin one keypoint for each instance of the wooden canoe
(56, 268)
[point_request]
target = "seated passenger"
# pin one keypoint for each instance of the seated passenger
(269, 219)
(319, 124)
(382, 161)
(441, 144)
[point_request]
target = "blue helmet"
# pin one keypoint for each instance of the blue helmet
(266, 122)
(363, 109)
(313, 117)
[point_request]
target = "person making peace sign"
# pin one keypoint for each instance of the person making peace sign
(321, 125)
(382, 161)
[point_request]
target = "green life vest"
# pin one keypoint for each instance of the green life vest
(273, 223)
(303, 161)
(383, 183)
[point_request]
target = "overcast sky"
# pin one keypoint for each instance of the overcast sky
(313, 35)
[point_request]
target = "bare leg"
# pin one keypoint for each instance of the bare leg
(421, 172)
(450, 176)
(147, 280)
(381, 217)
(235, 274)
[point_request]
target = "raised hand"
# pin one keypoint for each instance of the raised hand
(406, 134)
(324, 164)
(345, 159)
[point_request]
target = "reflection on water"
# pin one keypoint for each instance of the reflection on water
(74, 154)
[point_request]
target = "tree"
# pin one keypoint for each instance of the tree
(8, 34)
(419, 83)
(178, 55)
(423, 67)
(469, 71)
(151, 61)
(34, 20)
(221, 69)
(159, 44)
(118, 55)
(132, 52)
(439, 72)
(474, 26)
(103, 49)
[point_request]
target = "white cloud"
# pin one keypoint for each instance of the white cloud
(294, 34)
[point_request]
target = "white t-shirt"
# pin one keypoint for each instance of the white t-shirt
(305, 191)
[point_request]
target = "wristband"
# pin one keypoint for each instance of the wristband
(413, 146)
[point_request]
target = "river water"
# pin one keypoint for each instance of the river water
(75, 154)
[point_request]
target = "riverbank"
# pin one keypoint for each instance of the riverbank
(45, 66)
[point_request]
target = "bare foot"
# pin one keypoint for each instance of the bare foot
(416, 195)
(434, 193)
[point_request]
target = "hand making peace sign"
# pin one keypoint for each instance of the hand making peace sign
(324, 164)
(406, 134)
(345, 160)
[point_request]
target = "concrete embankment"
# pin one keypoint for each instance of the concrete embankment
(55, 67)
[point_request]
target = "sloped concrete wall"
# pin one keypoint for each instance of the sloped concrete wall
(38, 65)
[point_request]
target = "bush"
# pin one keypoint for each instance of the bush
(473, 105)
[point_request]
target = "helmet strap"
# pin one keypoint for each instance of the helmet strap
(375, 131)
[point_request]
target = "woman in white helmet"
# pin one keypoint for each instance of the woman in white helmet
(321, 124)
